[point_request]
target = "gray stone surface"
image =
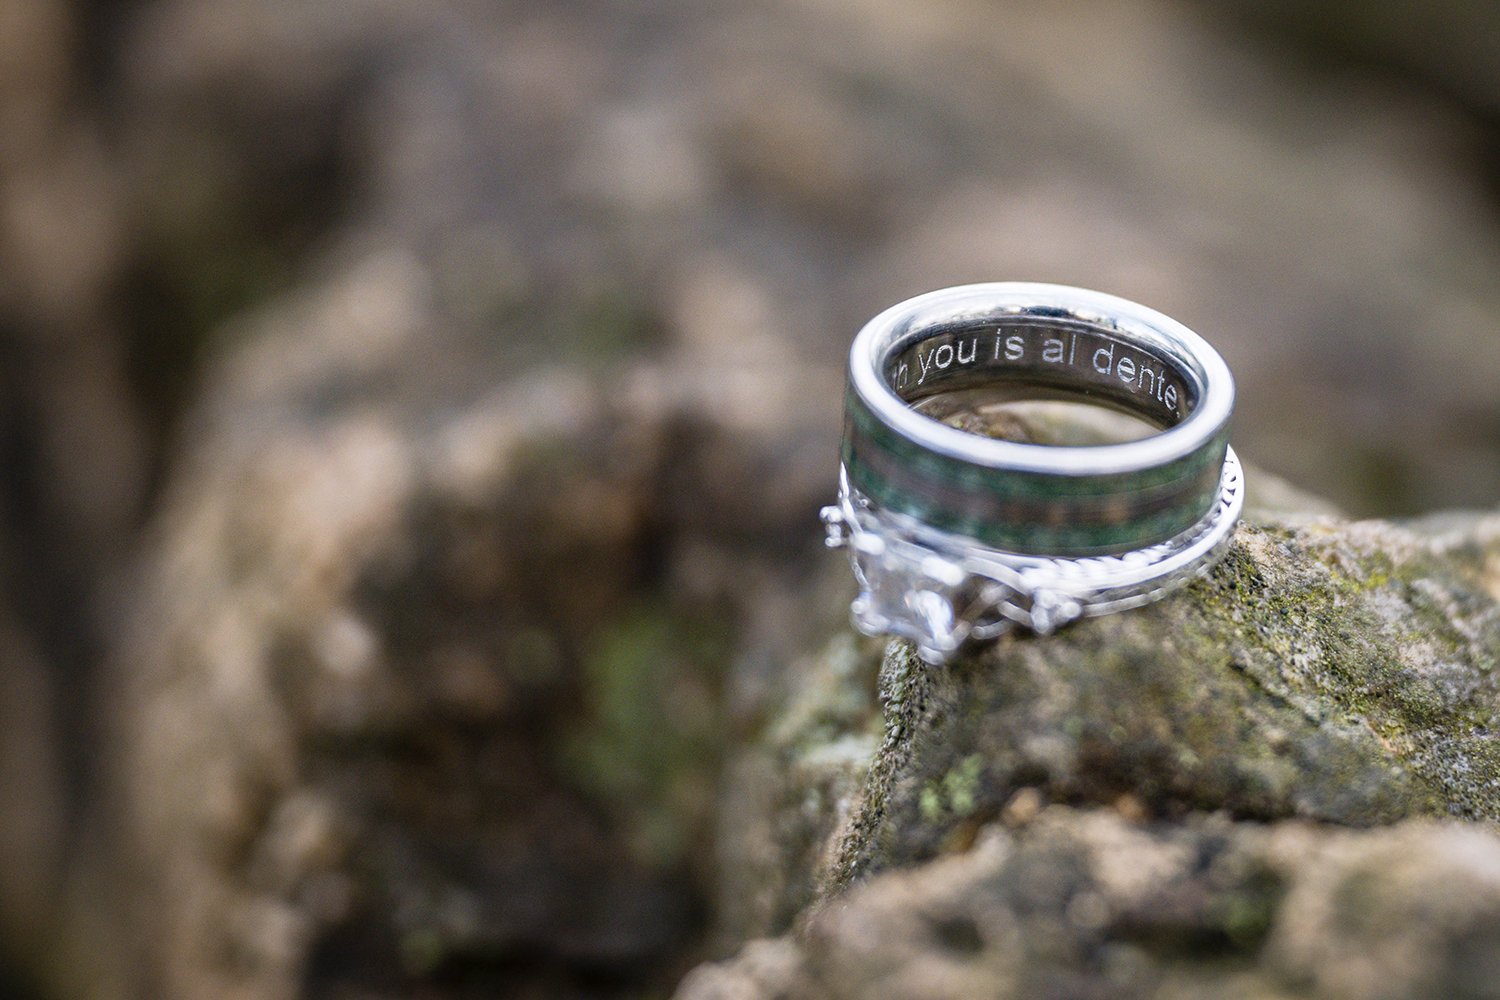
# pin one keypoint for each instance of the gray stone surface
(1217, 750)
(1445, 45)
(721, 165)
(1097, 902)
(442, 699)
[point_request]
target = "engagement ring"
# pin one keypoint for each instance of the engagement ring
(955, 535)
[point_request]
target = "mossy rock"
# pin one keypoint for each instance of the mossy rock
(1337, 672)
(1327, 670)
(1278, 782)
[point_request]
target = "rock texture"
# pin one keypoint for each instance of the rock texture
(444, 703)
(1444, 45)
(606, 170)
(1070, 902)
(1337, 672)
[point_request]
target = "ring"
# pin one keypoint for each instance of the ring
(956, 536)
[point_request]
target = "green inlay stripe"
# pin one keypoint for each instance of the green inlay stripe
(1029, 511)
(862, 425)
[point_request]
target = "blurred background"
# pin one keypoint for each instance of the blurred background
(414, 416)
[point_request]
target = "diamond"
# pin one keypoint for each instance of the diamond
(911, 597)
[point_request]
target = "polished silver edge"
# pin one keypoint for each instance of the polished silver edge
(896, 327)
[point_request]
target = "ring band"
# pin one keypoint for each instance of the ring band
(954, 535)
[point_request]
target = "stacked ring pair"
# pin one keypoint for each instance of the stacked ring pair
(956, 536)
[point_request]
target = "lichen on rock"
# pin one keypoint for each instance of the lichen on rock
(1328, 676)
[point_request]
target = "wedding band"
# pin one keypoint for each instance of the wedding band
(955, 536)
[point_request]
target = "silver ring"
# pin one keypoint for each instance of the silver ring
(955, 536)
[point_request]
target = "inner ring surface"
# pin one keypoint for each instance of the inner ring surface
(1051, 341)
(1066, 358)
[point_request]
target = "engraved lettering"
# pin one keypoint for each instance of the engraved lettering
(926, 364)
(1101, 358)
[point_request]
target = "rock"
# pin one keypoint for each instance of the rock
(68, 417)
(1336, 671)
(1343, 673)
(30, 775)
(430, 689)
(75, 470)
(723, 167)
(1444, 45)
(1092, 902)
(1328, 675)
